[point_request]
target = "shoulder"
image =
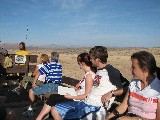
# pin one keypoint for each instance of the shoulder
(22, 52)
(17, 52)
(40, 65)
(55, 64)
(156, 84)
(58, 64)
(112, 69)
(134, 84)
(90, 74)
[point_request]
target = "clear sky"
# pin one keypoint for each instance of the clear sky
(120, 23)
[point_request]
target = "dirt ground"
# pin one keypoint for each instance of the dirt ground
(18, 102)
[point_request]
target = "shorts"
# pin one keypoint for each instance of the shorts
(45, 88)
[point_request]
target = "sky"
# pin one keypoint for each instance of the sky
(84, 23)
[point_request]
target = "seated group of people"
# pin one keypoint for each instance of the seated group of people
(97, 90)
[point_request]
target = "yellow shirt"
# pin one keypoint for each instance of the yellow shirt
(22, 52)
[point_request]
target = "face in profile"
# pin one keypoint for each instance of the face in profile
(21, 47)
(94, 62)
(137, 72)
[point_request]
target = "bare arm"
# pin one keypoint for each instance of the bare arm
(35, 79)
(137, 118)
(117, 92)
(88, 86)
(35, 70)
(121, 108)
(77, 86)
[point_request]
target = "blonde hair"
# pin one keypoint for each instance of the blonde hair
(44, 58)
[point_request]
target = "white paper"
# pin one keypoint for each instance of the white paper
(64, 90)
(20, 59)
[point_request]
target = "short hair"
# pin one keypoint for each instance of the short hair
(55, 55)
(44, 58)
(99, 52)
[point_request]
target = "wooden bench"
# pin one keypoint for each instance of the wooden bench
(11, 72)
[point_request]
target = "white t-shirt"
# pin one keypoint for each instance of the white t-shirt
(101, 86)
(41, 77)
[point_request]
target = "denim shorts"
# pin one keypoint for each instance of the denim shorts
(45, 88)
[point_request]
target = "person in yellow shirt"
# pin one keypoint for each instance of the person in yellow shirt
(22, 49)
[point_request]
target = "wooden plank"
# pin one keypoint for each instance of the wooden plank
(32, 68)
(33, 58)
(18, 69)
(69, 81)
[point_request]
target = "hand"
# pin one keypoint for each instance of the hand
(68, 96)
(106, 97)
(77, 87)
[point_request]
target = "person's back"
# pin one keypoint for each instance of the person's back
(43, 60)
(53, 71)
(101, 85)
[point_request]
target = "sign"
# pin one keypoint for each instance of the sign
(20, 59)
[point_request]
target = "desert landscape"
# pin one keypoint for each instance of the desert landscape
(118, 57)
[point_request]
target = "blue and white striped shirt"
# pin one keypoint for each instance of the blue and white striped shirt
(53, 71)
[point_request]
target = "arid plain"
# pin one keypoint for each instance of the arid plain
(118, 57)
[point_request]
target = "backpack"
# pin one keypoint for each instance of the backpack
(7, 62)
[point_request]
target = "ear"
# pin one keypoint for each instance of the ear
(83, 63)
(98, 60)
(145, 70)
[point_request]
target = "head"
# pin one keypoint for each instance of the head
(22, 46)
(143, 64)
(98, 54)
(44, 58)
(4, 52)
(84, 59)
(54, 56)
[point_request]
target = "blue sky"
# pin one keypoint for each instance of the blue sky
(120, 23)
